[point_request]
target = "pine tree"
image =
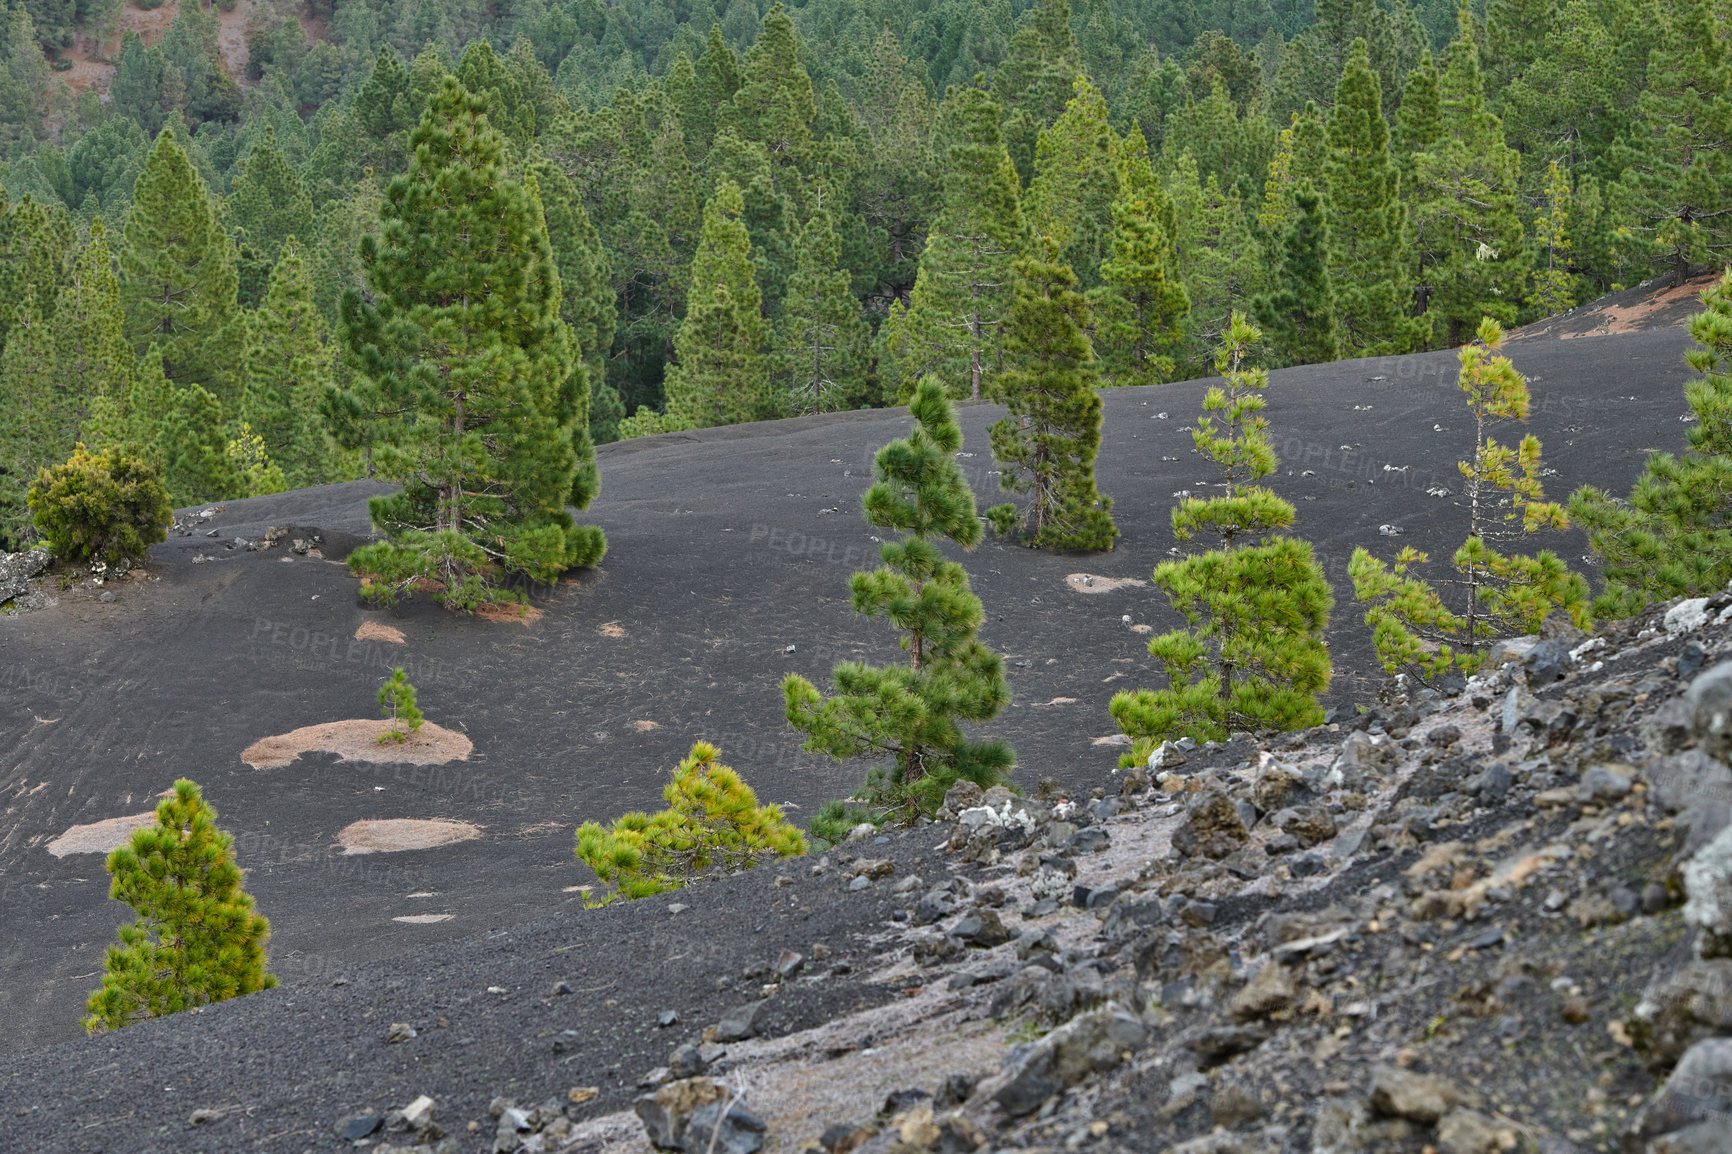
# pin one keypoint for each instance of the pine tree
(198, 938)
(1142, 306)
(587, 300)
(1253, 657)
(774, 104)
(1419, 120)
(1036, 78)
(950, 327)
(911, 713)
(268, 203)
(821, 338)
(1299, 160)
(288, 370)
(1076, 181)
(474, 391)
(1678, 163)
(1554, 282)
(713, 827)
(1299, 317)
(721, 375)
(1504, 594)
(1466, 229)
(1673, 537)
(33, 424)
(397, 702)
(177, 276)
(1047, 444)
(1223, 265)
(1367, 220)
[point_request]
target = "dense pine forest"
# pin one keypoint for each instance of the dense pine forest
(700, 213)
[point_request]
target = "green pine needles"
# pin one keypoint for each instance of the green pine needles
(1253, 657)
(108, 506)
(1506, 594)
(471, 391)
(197, 939)
(397, 702)
(713, 826)
(1673, 537)
(911, 713)
(1048, 443)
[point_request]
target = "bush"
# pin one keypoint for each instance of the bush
(109, 506)
(397, 701)
(198, 938)
(713, 826)
(835, 818)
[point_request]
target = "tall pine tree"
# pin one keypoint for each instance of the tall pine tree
(1047, 444)
(288, 370)
(821, 338)
(1299, 316)
(472, 382)
(1076, 181)
(1142, 305)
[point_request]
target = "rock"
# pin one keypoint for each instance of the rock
(1708, 886)
(418, 1114)
(16, 570)
(1702, 1138)
(1269, 991)
(1546, 662)
(1709, 703)
(578, 1095)
(1309, 824)
(1686, 616)
(106, 596)
(1417, 1097)
(982, 928)
(1094, 839)
(868, 867)
(667, 1018)
(1054, 877)
(1444, 735)
(1699, 1090)
(955, 1091)
(1558, 627)
(399, 1032)
(1087, 1044)
(1221, 1043)
(1361, 754)
(1234, 1105)
(939, 902)
(1490, 784)
(845, 1137)
(1276, 783)
(357, 1126)
(860, 883)
(698, 1116)
(963, 795)
(1603, 783)
(1212, 827)
(1165, 756)
(1679, 1009)
(686, 1061)
(1470, 1132)
(789, 963)
(930, 949)
(740, 1023)
(1698, 789)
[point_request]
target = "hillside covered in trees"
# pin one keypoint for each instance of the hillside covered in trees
(754, 211)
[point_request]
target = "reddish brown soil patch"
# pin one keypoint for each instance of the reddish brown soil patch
(508, 612)
(100, 836)
(393, 835)
(373, 631)
(359, 741)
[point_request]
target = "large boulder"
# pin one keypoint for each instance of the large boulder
(1699, 1090)
(699, 1116)
(1087, 1044)
(1709, 702)
(16, 570)
(1682, 1008)
(1212, 827)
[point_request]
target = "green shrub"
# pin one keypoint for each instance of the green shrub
(197, 938)
(713, 826)
(835, 818)
(109, 506)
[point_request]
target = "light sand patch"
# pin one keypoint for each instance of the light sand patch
(645, 726)
(422, 919)
(373, 631)
(100, 836)
(508, 613)
(1094, 583)
(1112, 739)
(1057, 701)
(359, 741)
(611, 629)
(1142, 629)
(393, 835)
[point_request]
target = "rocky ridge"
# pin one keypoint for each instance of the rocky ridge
(1496, 920)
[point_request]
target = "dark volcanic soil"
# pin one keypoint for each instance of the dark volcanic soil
(730, 551)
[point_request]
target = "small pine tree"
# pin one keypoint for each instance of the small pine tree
(1673, 537)
(1254, 656)
(1299, 316)
(397, 702)
(1505, 594)
(1047, 444)
(713, 826)
(910, 713)
(198, 938)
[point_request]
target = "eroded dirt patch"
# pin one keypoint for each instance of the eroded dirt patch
(393, 835)
(100, 836)
(506, 612)
(373, 631)
(1094, 583)
(358, 740)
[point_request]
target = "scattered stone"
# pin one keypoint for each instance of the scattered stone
(1470, 1132)
(1699, 1090)
(1212, 827)
(1217, 1045)
(788, 963)
(741, 1022)
(1708, 890)
(1269, 991)
(699, 1116)
(1416, 1097)
(1087, 1044)
(1444, 735)
(1547, 661)
(1682, 1008)
(846, 1137)
(982, 928)
(578, 1095)
(1165, 756)
(399, 1032)
(357, 1126)
(16, 570)
(1709, 704)
(1603, 783)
